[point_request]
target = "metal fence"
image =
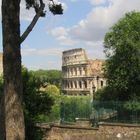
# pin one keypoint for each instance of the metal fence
(72, 110)
(105, 111)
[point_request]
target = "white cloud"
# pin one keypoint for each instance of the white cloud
(60, 31)
(42, 58)
(61, 35)
(94, 49)
(99, 20)
(66, 41)
(47, 65)
(42, 52)
(93, 44)
(73, 0)
(97, 2)
(26, 14)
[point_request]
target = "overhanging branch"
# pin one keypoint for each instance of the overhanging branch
(33, 22)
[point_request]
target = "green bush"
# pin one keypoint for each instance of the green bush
(133, 105)
(68, 108)
(37, 104)
(75, 107)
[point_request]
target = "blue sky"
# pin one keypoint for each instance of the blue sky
(83, 24)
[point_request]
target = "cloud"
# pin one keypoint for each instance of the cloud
(46, 65)
(66, 41)
(61, 35)
(26, 14)
(60, 31)
(34, 58)
(98, 21)
(41, 52)
(94, 50)
(73, 0)
(97, 2)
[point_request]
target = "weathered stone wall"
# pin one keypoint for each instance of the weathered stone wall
(120, 131)
(104, 132)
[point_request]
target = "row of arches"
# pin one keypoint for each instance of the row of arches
(75, 71)
(83, 84)
(77, 84)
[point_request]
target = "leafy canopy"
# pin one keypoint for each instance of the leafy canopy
(53, 77)
(122, 48)
(55, 8)
(37, 103)
(52, 90)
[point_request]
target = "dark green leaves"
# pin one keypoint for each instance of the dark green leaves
(122, 47)
(56, 9)
(30, 3)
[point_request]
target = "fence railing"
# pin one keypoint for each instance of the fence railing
(105, 111)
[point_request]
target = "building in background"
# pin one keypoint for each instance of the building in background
(81, 74)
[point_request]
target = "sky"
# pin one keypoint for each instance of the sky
(83, 25)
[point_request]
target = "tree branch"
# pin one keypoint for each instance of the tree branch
(34, 21)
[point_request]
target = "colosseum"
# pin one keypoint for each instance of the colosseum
(81, 76)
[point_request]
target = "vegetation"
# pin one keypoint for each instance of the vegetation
(67, 109)
(12, 63)
(52, 77)
(75, 107)
(36, 103)
(52, 90)
(122, 46)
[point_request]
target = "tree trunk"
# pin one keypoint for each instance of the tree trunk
(13, 124)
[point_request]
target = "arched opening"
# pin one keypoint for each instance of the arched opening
(85, 84)
(80, 70)
(80, 84)
(71, 84)
(75, 84)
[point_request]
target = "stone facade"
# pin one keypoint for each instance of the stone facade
(80, 74)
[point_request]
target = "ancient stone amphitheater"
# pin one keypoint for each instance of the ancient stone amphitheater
(81, 76)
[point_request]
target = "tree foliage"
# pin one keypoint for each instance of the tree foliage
(52, 90)
(53, 77)
(122, 47)
(36, 102)
(75, 107)
(53, 7)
